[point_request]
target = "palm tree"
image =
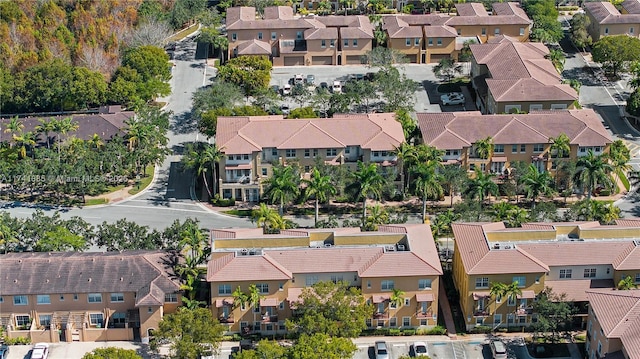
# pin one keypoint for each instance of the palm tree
(23, 141)
(320, 188)
(195, 159)
(498, 290)
(96, 141)
(427, 185)
(536, 183)
(267, 218)
(453, 177)
(407, 156)
(627, 283)
(484, 148)
(212, 155)
(557, 58)
(282, 186)
(377, 215)
(482, 185)
(592, 170)
(14, 125)
(63, 126)
(619, 157)
(367, 182)
(240, 298)
(254, 296)
(560, 146)
(46, 127)
(396, 298)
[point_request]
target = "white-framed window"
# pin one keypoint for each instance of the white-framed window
(606, 31)
(337, 278)
(590, 273)
(332, 152)
(234, 36)
(171, 298)
(224, 289)
(393, 322)
(260, 36)
(345, 43)
(264, 171)
(289, 153)
(263, 288)
(1, 299)
(332, 43)
(118, 319)
(521, 280)
(23, 320)
(521, 31)
(497, 319)
(499, 298)
(407, 301)
(498, 148)
(631, 30)
(496, 31)
(482, 282)
(535, 107)
(511, 300)
(439, 42)
(274, 35)
(94, 298)
(387, 285)
(307, 153)
(510, 318)
(459, 32)
(484, 31)
(43, 299)
(538, 147)
(61, 298)
(416, 41)
(299, 35)
(565, 273)
(430, 42)
(281, 286)
(75, 296)
(637, 280)
(406, 321)
(117, 297)
(479, 320)
(407, 41)
(514, 148)
(20, 300)
(424, 283)
(323, 43)
(368, 322)
(281, 305)
(523, 148)
(311, 280)
(96, 319)
(44, 319)
(368, 284)
(393, 305)
(354, 42)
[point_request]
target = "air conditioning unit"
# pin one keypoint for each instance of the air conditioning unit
(401, 247)
(496, 246)
(390, 248)
(327, 245)
(508, 246)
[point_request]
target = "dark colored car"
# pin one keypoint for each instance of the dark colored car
(4, 351)
(324, 85)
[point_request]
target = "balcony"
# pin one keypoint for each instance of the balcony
(383, 315)
(424, 315)
(269, 319)
(481, 313)
(226, 319)
(523, 311)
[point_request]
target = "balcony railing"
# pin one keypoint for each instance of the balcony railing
(269, 319)
(481, 313)
(379, 315)
(226, 319)
(524, 311)
(423, 315)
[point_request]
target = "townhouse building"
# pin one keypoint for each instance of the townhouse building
(71, 296)
(517, 137)
(606, 19)
(281, 266)
(432, 37)
(614, 324)
(253, 145)
(292, 40)
(569, 258)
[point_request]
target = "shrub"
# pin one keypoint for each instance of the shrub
(222, 202)
(17, 341)
(408, 332)
(437, 330)
(481, 329)
(394, 332)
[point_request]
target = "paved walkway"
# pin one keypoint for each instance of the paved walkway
(446, 313)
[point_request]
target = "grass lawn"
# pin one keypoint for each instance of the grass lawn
(624, 179)
(144, 181)
(96, 201)
(114, 188)
(238, 212)
(454, 85)
(549, 350)
(184, 33)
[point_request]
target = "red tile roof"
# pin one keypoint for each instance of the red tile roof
(244, 268)
(618, 313)
(577, 253)
(576, 289)
(254, 47)
(606, 13)
(471, 9)
(632, 6)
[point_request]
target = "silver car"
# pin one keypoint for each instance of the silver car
(381, 350)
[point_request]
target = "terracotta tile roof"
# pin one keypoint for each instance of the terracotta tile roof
(278, 13)
(631, 6)
(471, 9)
(440, 31)
(509, 8)
(576, 253)
(628, 222)
(150, 295)
(501, 38)
(576, 289)
(529, 89)
(243, 13)
(628, 259)
(316, 260)
(554, 225)
(422, 20)
(420, 241)
(243, 268)
(321, 34)
(618, 313)
(488, 20)
(254, 47)
(142, 272)
(238, 135)
(424, 297)
(397, 28)
(536, 127)
(356, 33)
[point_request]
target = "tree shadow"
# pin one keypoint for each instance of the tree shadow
(184, 123)
(586, 75)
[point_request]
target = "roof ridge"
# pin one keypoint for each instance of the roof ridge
(277, 265)
(622, 257)
(530, 127)
(533, 258)
(370, 262)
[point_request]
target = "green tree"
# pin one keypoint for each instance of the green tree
(447, 70)
(150, 66)
(498, 291)
(265, 349)
(512, 215)
(555, 312)
(484, 148)
(616, 52)
(303, 112)
(322, 346)
(320, 188)
(427, 185)
(544, 14)
(248, 72)
(188, 331)
(333, 309)
(201, 158)
(557, 58)
(453, 178)
(633, 103)
(219, 94)
(406, 157)
(240, 298)
(592, 170)
(367, 182)
(112, 353)
(267, 218)
(398, 91)
(537, 183)
(592, 210)
(619, 157)
(282, 186)
(627, 283)
(579, 32)
(481, 185)
(60, 239)
(125, 235)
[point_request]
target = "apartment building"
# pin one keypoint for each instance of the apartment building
(570, 258)
(510, 76)
(518, 137)
(293, 40)
(253, 145)
(606, 19)
(71, 296)
(614, 325)
(430, 38)
(281, 265)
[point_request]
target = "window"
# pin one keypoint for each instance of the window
(332, 43)
(510, 317)
(256, 308)
(451, 153)
(44, 319)
(406, 321)
(393, 322)
(62, 298)
(430, 42)
(497, 319)
(224, 289)
(259, 36)
(482, 282)
(479, 321)
(336, 278)
(331, 152)
(274, 35)
(424, 283)
(75, 297)
(43, 299)
(521, 281)
(631, 30)
(281, 305)
(459, 31)
(439, 42)
(393, 305)
(245, 157)
(281, 286)
(119, 319)
(499, 298)
(498, 148)
(274, 152)
(538, 147)
(171, 298)
(307, 153)
(315, 152)
(96, 319)
(1, 299)
(264, 171)
(23, 320)
(95, 298)
(234, 36)
(590, 273)
(416, 41)
(117, 297)
(523, 148)
(514, 148)
(368, 322)
(289, 153)
(355, 42)
(323, 43)
(407, 301)
(387, 285)
(311, 280)
(606, 31)
(407, 42)
(637, 280)
(346, 42)
(496, 31)
(307, 169)
(20, 300)
(299, 35)
(484, 31)
(263, 288)
(369, 284)
(565, 273)
(521, 31)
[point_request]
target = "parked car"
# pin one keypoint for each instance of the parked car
(324, 85)
(336, 87)
(381, 350)
(4, 351)
(40, 351)
(498, 349)
(298, 79)
(370, 76)
(420, 349)
(275, 88)
(285, 110)
(453, 98)
(286, 90)
(311, 79)
(359, 77)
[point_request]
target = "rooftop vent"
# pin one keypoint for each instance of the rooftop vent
(327, 245)
(389, 248)
(401, 247)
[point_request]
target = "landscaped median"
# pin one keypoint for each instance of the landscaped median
(120, 192)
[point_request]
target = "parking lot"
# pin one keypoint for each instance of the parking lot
(448, 350)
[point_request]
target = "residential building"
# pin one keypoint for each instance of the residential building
(72, 296)
(606, 19)
(253, 145)
(430, 38)
(293, 40)
(517, 137)
(281, 265)
(613, 329)
(510, 76)
(570, 258)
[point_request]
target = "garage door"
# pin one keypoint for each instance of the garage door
(437, 57)
(294, 61)
(322, 60)
(412, 59)
(354, 60)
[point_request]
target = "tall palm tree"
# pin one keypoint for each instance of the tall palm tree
(498, 291)
(482, 185)
(96, 141)
(24, 141)
(320, 188)
(282, 186)
(484, 147)
(560, 145)
(619, 157)
(592, 170)
(212, 155)
(46, 127)
(254, 296)
(367, 182)
(240, 298)
(427, 185)
(396, 297)
(407, 156)
(453, 177)
(61, 127)
(14, 125)
(536, 183)
(557, 58)
(377, 216)
(195, 160)
(267, 218)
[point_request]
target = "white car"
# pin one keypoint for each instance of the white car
(40, 351)
(298, 79)
(453, 98)
(286, 90)
(336, 87)
(420, 349)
